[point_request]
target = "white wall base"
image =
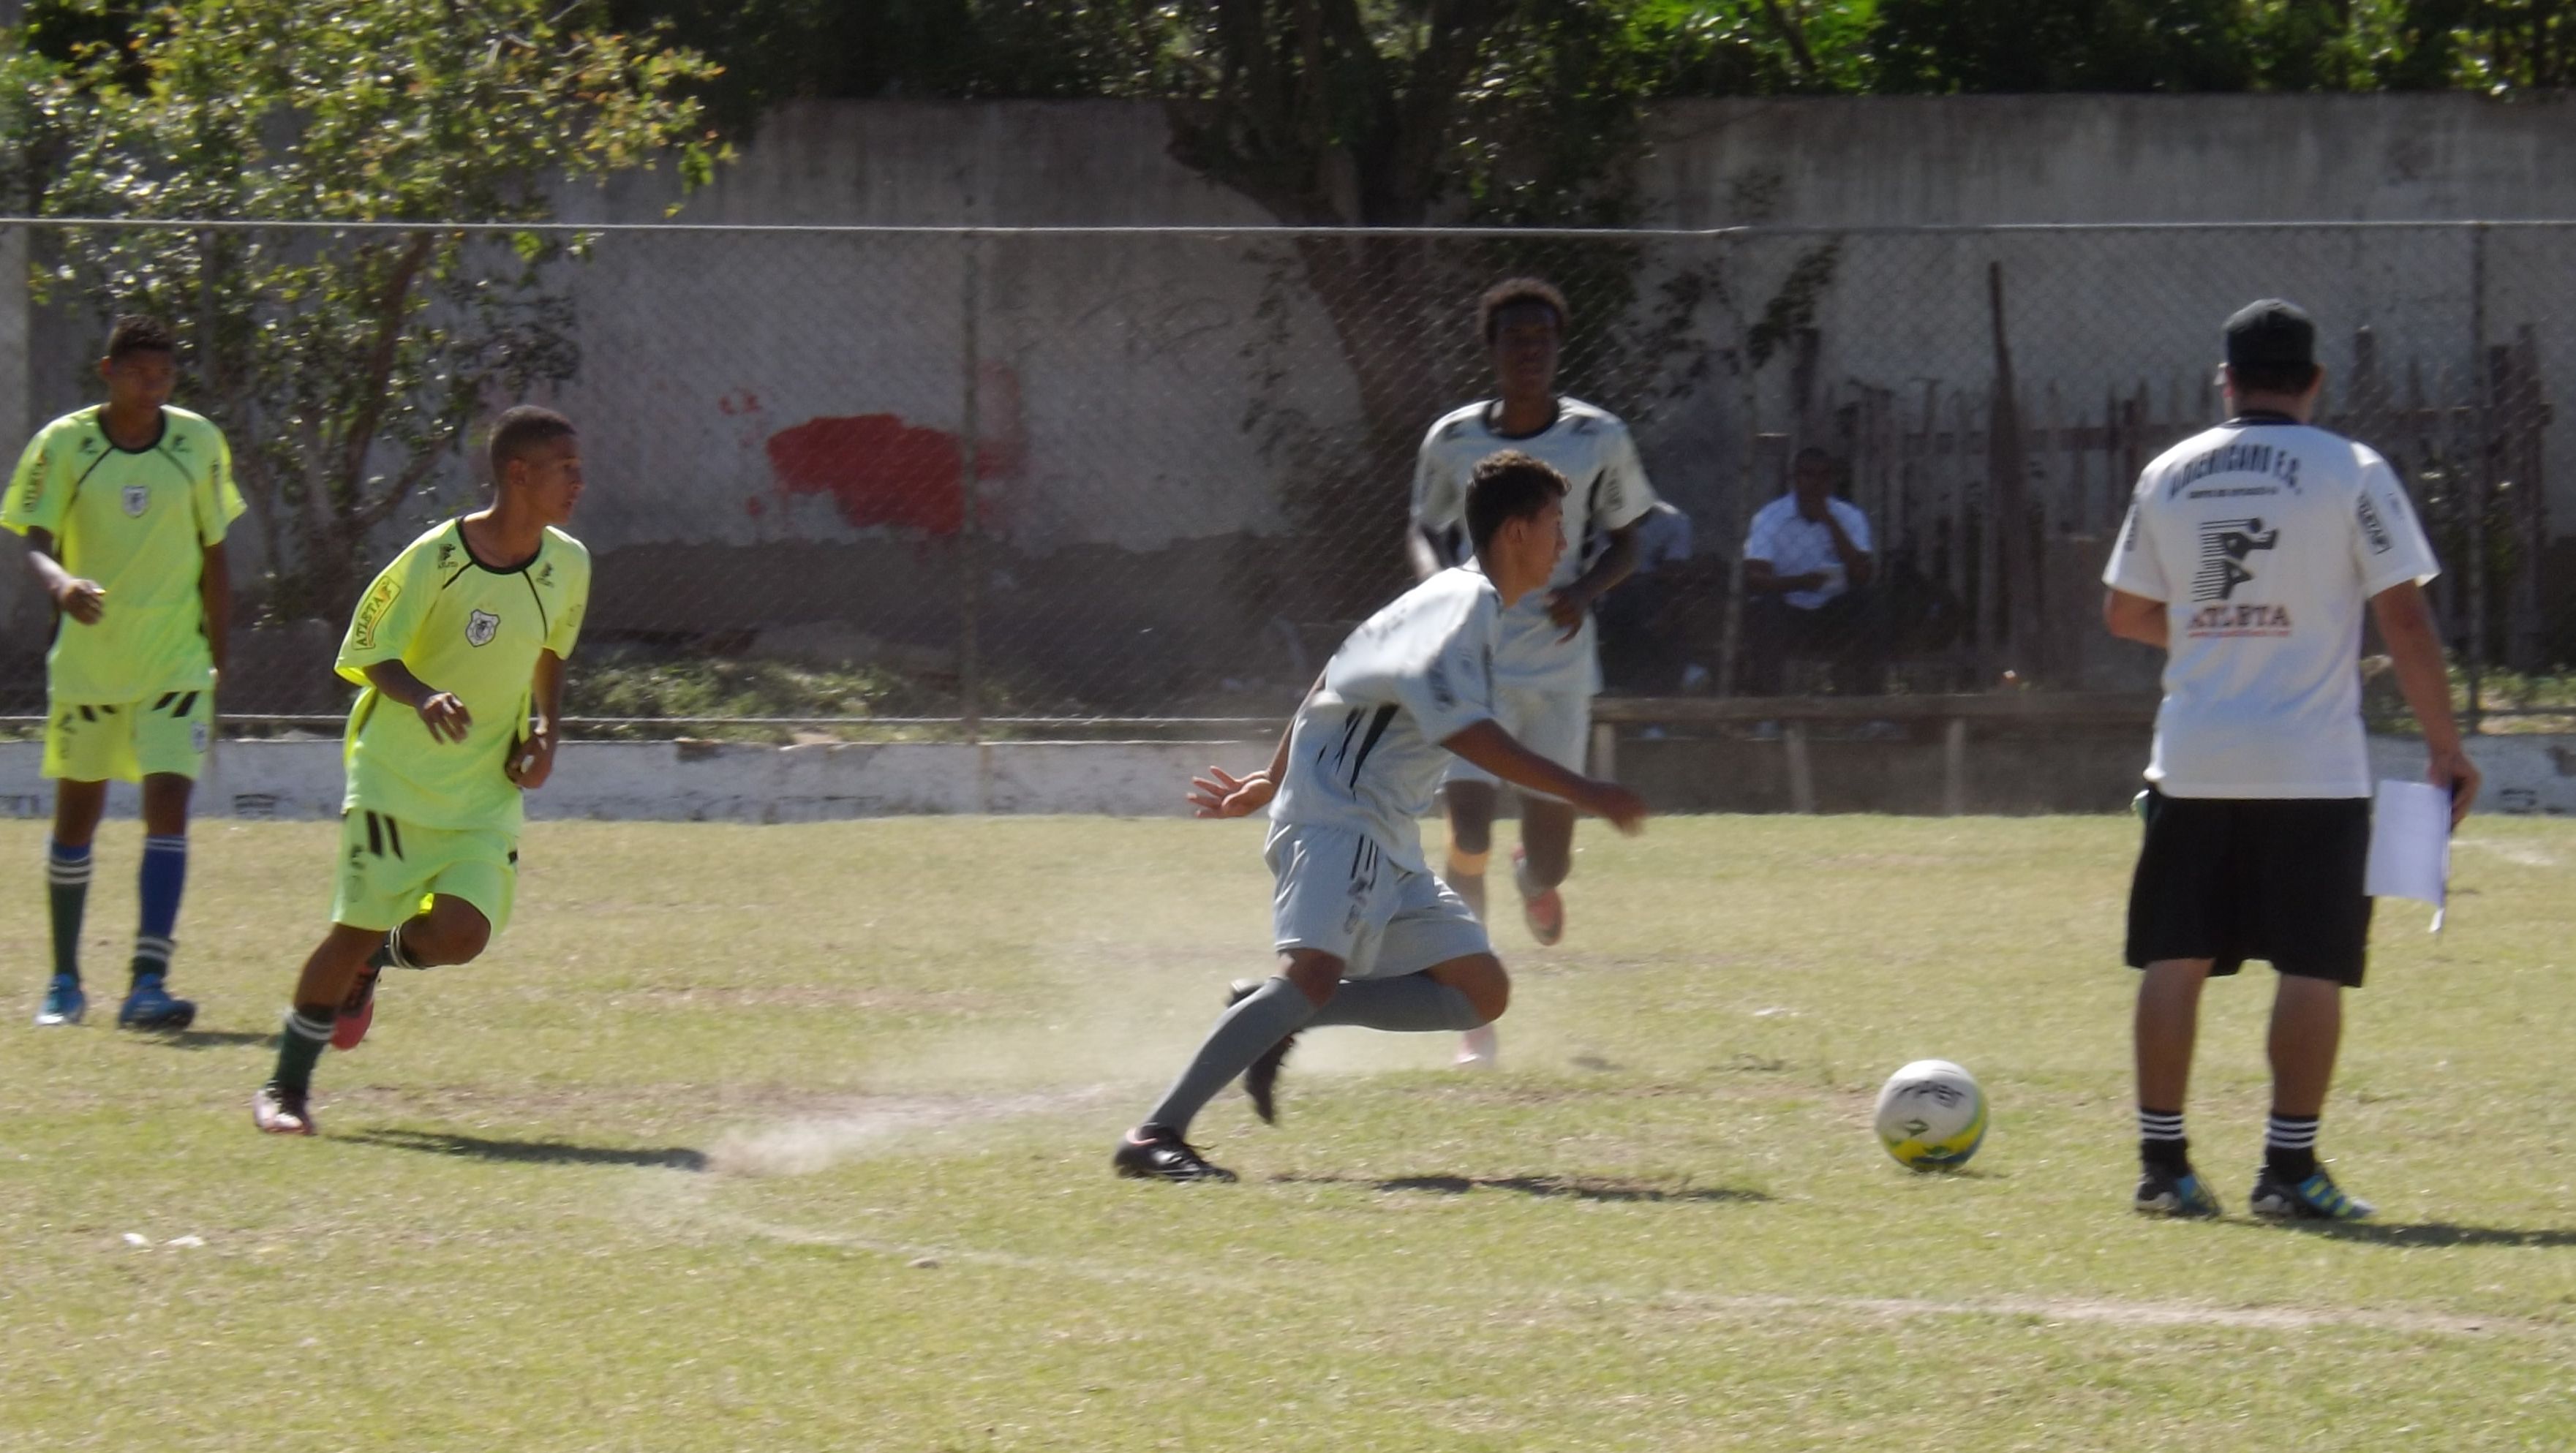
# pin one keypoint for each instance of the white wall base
(726, 782)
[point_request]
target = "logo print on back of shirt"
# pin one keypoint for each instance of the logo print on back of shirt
(480, 627)
(2372, 528)
(2224, 548)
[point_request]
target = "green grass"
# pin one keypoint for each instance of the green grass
(797, 1137)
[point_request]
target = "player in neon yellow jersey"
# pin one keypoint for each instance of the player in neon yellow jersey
(124, 506)
(458, 643)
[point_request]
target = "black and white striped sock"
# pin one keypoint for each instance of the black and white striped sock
(2290, 1146)
(2161, 1142)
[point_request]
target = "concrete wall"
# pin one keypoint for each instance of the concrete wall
(705, 782)
(1146, 406)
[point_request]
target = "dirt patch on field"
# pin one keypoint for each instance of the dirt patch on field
(810, 1142)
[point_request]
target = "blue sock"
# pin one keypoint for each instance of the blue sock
(67, 881)
(163, 879)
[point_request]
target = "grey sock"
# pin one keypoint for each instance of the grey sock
(1273, 1012)
(1413, 1003)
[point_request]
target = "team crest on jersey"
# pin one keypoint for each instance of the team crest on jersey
(546, 576)
(2225, 547)
(480, 628)
(138, 498)
(446, 553)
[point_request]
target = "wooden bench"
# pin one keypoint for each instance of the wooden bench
(1797, 714)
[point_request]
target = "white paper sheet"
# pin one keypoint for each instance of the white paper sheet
(2410, 845)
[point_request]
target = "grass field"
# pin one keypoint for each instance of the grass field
(789, 1138)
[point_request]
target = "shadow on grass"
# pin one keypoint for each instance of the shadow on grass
(220, 1038)
(2433, 1233)
(1574, 1188)
(540, 1152)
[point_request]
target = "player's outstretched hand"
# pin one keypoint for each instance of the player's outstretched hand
(532, 760)
(1221, 794)
(2453, 772)
(1625, 809)
(83, 600)
(445, 716)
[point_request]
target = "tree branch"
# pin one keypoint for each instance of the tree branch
(380, 361)
(1795, 34)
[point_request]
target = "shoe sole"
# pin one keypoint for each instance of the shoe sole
(281, 1123)
(166, 1023)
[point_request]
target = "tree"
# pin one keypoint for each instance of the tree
(346, 363)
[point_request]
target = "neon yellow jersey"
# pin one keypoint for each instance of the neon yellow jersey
(138, 522)
(467, 627)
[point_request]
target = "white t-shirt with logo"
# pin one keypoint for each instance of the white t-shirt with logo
(1594, 452)
(2266, 540)
(1365, 751)
(1796, 545)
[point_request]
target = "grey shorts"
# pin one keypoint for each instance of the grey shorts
(1555, 724)
(1337, 894)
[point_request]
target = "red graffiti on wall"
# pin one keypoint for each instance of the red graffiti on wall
(881, 471)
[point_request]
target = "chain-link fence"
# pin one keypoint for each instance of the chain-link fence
(1003, 481)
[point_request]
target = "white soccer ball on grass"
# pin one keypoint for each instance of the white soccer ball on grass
(1931, 1115)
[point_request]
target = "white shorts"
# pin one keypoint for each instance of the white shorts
(1337, 894)
(1555, 724)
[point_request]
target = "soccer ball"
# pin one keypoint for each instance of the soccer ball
(1931, 1115)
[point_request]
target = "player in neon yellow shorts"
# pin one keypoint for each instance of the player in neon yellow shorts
(124, 506)
(458, 643)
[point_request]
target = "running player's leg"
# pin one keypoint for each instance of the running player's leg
(1470, 800)
(471, 878)
(281, 1106)
(1558, 726)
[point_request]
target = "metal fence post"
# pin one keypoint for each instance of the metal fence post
(2482, 379)
(970, 684)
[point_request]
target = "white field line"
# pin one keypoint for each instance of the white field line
(2526, 855)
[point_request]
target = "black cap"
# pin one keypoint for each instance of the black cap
(2271, 334)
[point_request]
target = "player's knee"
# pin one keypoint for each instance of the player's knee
(1481, 979)
(452, 932)
(1315, 973)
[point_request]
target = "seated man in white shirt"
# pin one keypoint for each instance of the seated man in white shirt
(1807, 573)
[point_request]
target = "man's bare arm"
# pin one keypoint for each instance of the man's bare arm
(83, 600)
(2405, 621)
(1488, 746)
(215, 597)
(440, 711)
(2136, 618)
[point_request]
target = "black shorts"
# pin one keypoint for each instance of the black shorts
(2236, 878)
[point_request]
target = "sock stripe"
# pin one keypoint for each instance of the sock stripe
(394, 950)
(63, 877)
(312, 1029)
(165, 845)
(2159, 1125)
(2291, 1132)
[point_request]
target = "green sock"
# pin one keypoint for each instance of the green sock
(67, 883)
(299, 1044)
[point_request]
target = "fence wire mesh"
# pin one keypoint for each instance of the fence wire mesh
(1010, 481)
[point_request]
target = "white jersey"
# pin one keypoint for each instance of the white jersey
(1591, 448)
(1365, 752)
(1796, 545)
(2265, 539)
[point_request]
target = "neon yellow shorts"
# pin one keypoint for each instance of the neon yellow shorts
(389, 871)
(127, 741)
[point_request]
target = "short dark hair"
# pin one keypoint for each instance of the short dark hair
(521, 429)
(139, 333)
(1518, 292)
(1508, 486)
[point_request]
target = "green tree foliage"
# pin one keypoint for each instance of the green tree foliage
(347, 364)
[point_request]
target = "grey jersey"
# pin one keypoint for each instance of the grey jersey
(1593, 450)
(1365, 752)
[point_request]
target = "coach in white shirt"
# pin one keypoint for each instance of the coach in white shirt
(1807, 572)
(2249, 554)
